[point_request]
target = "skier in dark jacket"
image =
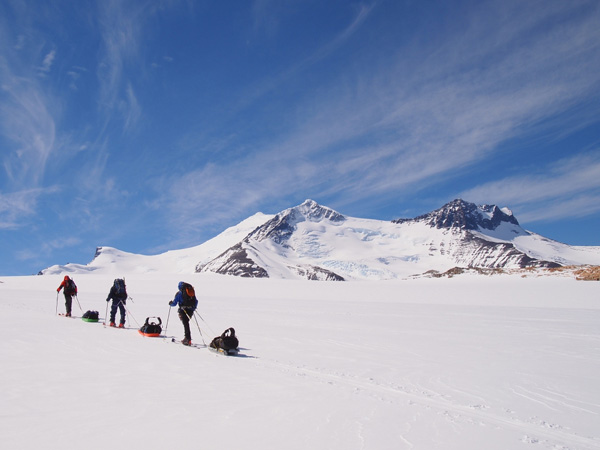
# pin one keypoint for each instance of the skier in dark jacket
(187, 301)
(118, 294)
(70, 289)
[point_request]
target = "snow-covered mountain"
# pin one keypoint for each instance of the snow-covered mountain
(311, 241)
(315, 242)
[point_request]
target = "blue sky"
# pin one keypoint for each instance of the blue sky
(150, 126)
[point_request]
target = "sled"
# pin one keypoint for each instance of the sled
(151, 328)
(87, 319)
(149, 334)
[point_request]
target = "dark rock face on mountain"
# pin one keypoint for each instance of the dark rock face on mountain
(316, 273)
(235, 261)
(465, 216)
(472, 251)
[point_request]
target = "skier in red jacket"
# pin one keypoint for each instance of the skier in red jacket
(69, 291)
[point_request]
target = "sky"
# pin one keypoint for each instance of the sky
(155, 125)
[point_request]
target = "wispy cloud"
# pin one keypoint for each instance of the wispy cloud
(566, 188)
(326, 49)
(424, 117)
(29, 108)
(45, 249)
(339, 40)
(27, 121)
(130, 107)
(425, 113)
(75, 74)
(47, 62)
(17, 206)
(121, 30)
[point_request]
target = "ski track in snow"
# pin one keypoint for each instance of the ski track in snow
(421, 397)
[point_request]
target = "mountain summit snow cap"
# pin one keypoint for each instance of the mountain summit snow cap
(283, 225)
(311, 210)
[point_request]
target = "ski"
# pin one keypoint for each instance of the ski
(64, 315)
(106, 325)
(175, 341)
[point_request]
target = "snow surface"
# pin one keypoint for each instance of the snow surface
(467, 363)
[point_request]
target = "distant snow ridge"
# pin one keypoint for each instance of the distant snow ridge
(311, 241)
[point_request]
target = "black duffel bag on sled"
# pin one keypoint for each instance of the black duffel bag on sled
(90, 316)
(226, 343)
(151, 329)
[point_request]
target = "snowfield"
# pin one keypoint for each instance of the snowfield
(466, 363)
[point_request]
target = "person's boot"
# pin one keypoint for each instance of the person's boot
(121, 325)
(112, 324)
(186, 341)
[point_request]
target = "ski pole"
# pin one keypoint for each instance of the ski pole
(207, 326)
(57, 303)
(77, 298)
(189, 320)
(105, 314)
(167, 325)
(129, 313)
(198, 325)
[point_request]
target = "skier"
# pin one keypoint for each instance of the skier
(118, 294)
(69, 292)
(187, 301)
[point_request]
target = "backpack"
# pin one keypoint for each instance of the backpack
(227, 340)
(151, 328)
(70, 287)
(120, 289)
(188, 295)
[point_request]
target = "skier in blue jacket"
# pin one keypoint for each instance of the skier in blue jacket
(187, 301)
(118, 294)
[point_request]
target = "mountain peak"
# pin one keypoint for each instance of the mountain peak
(466, 216)
(282, 226)
(311, 210)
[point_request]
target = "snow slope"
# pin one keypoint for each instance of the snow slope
(540, 247)
(356, 249)
(466, 363)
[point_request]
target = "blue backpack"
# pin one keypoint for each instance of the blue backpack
(120, 289)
